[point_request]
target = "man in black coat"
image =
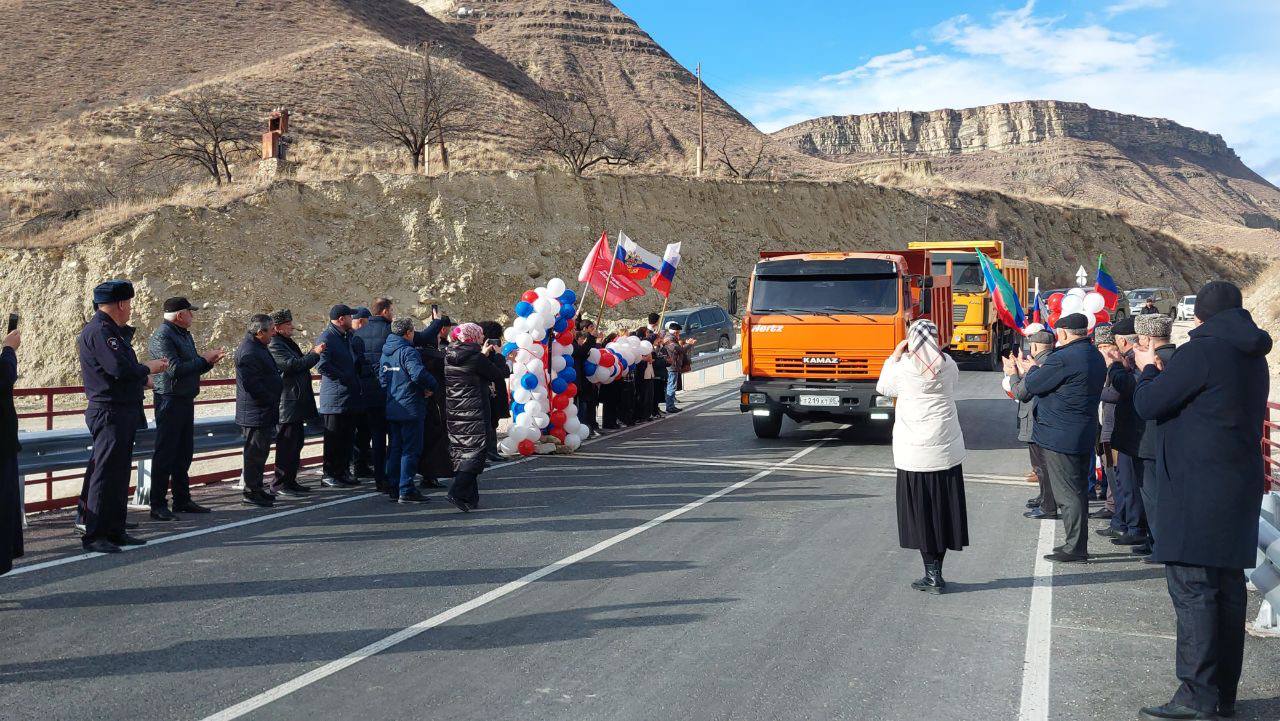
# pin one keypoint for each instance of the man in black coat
(258, 388)
(588, 393)
(371, 434)
(1209, 401)
(175, 393)
(340, 399)
(1128, 526)
(297, 403)
(1154, 331)
(1067, 386)
(435, 462)
(11, 489)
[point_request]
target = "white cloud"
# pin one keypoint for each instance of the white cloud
(1041, 58)
(1125, 6)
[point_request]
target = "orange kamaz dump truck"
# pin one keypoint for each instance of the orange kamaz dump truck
(819, 326)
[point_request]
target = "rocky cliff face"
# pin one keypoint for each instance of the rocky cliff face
(993, 127)
(474, 242)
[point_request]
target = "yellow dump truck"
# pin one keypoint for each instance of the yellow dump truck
(978, 334)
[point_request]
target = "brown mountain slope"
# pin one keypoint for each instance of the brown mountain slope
(1162, 174)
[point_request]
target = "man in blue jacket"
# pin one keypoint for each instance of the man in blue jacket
(407, 384)
(258, 388)
(1209, 401)
(1067, 387)
(340, 398)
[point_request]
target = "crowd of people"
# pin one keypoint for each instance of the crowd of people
(1167, 436)
(408, 408)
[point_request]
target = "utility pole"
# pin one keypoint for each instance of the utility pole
(897, 120)
(701, 126)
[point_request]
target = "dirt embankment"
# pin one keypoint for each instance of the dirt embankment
(473, 242)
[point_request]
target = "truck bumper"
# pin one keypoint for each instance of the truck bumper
(857, 400)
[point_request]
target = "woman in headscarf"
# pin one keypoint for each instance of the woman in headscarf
(928, 448)
(469, 375)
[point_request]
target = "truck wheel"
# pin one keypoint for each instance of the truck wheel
(997, 350)
(767, 426)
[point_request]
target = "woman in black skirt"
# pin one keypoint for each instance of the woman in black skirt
(928, 448)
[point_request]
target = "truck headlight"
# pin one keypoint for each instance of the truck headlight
(976, 338)
(757, 399)
(882, 402)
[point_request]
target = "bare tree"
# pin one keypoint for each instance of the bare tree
(413, 100)
(207, 129)
(576, 127)
(1065, 184)
(741, 158)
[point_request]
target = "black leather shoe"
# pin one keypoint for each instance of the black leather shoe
(1033, 502)
(330, 482)
(130, 525)
(430, 483)
(1151, 561)
(1064, 557)
(162, 513)
(258, 498)
(1226, 710)
(1039, 515)
(932, 581)
(127, 540)
(349, 481)
(293, 492)
(1103, 514)
(101, 545)
(1109, 532)
(190, 507)
(1175, 711)
(494, 458)
(1128, 540)
(1143, 550)
(458, 504)
(412, 496)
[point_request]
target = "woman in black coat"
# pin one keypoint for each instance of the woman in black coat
(10, 482)
(499, 401)
(469, 375)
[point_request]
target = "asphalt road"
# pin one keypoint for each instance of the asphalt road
(678, 570)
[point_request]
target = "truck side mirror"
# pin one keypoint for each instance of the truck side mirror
(926, 281)
(732, 300)
(926, 300)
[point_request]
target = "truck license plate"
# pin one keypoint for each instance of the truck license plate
(819, 400)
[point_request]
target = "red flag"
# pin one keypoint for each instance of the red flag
(596, 273)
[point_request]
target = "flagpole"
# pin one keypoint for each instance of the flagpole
(613, 260)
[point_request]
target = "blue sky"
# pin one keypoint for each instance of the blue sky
(1210, 65)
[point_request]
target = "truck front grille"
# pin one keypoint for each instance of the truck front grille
(958, 312)
(846, 367)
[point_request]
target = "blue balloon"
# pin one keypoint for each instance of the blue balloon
(567, 310)
(622, 364)
(523, 309)
(568, 297)
(560, 325)
(568, 360)
(588, 368)
(508, 348)
(569, 374)
(559, 385)
(516, 409)
(529, 381)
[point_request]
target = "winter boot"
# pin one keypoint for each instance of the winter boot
(932, 581)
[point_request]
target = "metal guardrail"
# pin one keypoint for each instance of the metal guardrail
(720, 357)
(1266, 577)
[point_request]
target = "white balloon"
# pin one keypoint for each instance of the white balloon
(520, 394)
(557, 349)
(557, 363)
(645, 347)
(542, 421)
(1094, 302)
(510, 334)
(571, 424)
(593, 355)
(534, 407)
(508, 446)
(572, 442)
(1077, 292)
(1033, 328)
(525, 342)
(536, 367)
(537, 322)
(521, 419)
(1072, 304)
(555, 287)
(1090, 320)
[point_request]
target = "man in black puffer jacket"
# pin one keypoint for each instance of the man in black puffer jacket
(297, 403)
(175, 393)
(469, 376)
(371, 433)
(258, 388)
(1209, 401)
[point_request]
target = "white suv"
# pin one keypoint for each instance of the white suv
(1187, 307)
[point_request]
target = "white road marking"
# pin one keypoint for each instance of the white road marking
(306, 679)
(1035, 662)
(151, 542)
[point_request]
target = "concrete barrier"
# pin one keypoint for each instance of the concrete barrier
(1266, 577)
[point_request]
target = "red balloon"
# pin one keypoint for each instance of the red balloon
(570, 328)
(559, 434)
(569, 392)
(606, 359)
(1053, 319)
(526, 448)
(565, 338)
(559, 403)
(1102, 316)
(529, 296)
(1054, 303)
(558, 418)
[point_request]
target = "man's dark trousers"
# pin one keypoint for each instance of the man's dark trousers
(171, 461)
(257, 444)
(1048, 503)
(1128, 489)
(371, 442)
(339, 436)
(1068, 473)
(1210, 604)
(104, 497)
(290, 438)
(1147, 490)
(405, 451)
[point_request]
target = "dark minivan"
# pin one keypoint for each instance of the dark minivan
(709, 325)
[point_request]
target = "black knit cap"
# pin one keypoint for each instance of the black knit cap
(1124, 326)
(177, 304)
(1217, 296)
(1074, 321)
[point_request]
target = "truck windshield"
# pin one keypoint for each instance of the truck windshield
(966, 274)
(824, 294)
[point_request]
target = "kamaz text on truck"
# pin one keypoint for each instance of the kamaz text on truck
(819, 327)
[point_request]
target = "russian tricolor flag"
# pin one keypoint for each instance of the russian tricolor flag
(670, 259)
(1105, 285)
(633, 261)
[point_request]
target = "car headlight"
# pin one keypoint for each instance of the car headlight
(882, 402)
(757, 399)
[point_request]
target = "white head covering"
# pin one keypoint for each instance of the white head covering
(922, 346)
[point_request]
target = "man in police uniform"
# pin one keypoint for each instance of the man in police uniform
(113, 382)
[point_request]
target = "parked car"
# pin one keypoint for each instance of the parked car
(709, 325)
(1187, 307)
(1165, 301)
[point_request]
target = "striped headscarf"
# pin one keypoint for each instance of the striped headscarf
(467, 333)
(922, 346)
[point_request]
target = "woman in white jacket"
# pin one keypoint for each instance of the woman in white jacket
(928, 448)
